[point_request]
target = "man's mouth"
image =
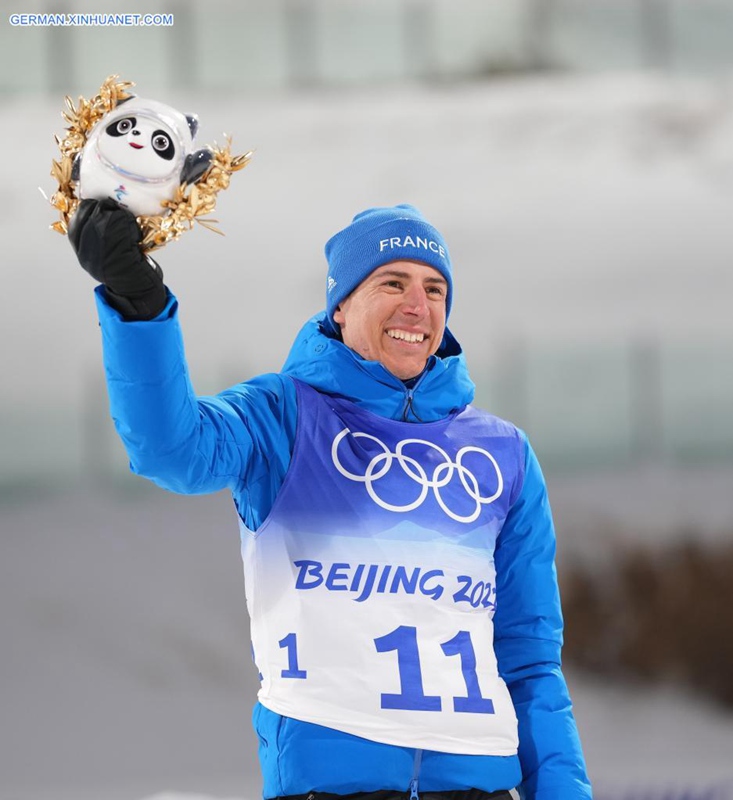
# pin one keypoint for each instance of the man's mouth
(137, 146)
(405, 336)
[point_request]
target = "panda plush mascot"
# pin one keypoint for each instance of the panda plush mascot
(138, 154)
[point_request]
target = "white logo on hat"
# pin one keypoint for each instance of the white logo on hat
(331, 284)
(417, 243)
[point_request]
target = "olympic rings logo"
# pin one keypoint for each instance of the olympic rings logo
(443, 473)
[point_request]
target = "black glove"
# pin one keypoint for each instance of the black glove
(106, 240)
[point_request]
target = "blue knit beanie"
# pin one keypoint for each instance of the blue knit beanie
(378, 236)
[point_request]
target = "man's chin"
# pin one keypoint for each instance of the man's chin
(406, 372)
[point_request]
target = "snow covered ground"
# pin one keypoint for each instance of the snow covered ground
(576, 209)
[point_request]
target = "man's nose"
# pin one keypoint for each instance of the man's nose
(415, 300)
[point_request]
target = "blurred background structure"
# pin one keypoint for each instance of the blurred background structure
(578, 157)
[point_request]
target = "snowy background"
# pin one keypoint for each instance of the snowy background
(589, 219)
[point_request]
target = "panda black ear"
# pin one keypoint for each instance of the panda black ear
(195, 165)
(193, 124)
(120, 102)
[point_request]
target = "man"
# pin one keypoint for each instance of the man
(397, 542)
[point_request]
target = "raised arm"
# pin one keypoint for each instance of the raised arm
(188, 444)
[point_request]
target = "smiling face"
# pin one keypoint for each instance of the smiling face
(396, 316)
(140, 145)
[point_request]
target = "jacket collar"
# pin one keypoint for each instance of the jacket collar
(323, 361)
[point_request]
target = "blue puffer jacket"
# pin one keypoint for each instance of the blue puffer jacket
(242, 439)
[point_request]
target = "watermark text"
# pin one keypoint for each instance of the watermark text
(90, 20)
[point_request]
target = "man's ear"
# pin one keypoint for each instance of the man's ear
(338, 315)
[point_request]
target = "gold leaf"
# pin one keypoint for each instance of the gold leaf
(56, 170)
(208, 225)
(66, 170)
(239, 162)
(193, 198)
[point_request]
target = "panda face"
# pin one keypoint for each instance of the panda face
(141, 145)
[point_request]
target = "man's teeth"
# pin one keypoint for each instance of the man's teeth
(405, 336)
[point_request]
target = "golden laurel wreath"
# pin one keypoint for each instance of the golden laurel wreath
(190, 202)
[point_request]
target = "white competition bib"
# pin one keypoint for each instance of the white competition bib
(371, 585)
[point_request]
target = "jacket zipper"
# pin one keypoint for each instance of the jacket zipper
(415, 775)
(409, 394)
(408, 406)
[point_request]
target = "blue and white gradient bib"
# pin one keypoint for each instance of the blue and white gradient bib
(371, 584)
